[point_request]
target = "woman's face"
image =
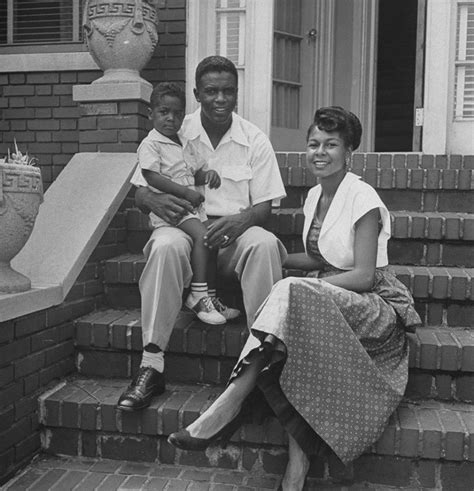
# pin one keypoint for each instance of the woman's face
(326, 153)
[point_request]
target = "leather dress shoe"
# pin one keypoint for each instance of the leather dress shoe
(147, 383)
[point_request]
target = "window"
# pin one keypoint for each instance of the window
(464, 72)
(40, 22)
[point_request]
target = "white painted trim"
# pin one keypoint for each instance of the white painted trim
(201, 41)
(47, 62)
(364, 68)
(326, 15)
(258, 66)
(436, 89)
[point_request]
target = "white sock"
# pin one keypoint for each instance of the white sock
(212, 292)
(153, 360)
(199, 290)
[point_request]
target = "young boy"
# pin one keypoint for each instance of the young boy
(161, 160)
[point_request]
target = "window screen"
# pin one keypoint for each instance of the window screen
(464, 82)
(40, 21)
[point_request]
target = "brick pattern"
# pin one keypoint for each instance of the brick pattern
(37, 108)
(108, 344)
(88, 473)
(433, 431)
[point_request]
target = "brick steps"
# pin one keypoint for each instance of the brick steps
(108, 344)
(425, 282)
(443, 295)
(79, 418)
(429, 239)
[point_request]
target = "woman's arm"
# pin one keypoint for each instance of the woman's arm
(301, 260)
(361, 278)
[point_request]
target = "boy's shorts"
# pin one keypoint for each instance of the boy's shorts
(157, 222)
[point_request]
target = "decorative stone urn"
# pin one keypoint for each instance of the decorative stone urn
(121, 36)
(21, 192)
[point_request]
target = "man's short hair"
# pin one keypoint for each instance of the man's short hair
(215, 64)
(167, 88)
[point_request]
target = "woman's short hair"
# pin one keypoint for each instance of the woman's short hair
(335, 118)
(215, 64)
(167, 88)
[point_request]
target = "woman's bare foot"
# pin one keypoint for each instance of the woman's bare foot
(297, 468)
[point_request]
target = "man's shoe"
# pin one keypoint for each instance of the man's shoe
(205, 310)
(147, 383)
(228, 312)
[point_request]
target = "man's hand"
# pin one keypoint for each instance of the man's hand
(166, 206)
(213, 179)
(194, 197)
(223, 231)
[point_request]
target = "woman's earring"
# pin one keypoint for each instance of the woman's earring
(348, 160)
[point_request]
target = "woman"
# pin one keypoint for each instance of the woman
(328, 352)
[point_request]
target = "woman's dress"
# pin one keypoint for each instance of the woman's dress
(341, 357)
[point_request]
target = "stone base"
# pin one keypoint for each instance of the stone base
(112, 91)
(11, 281)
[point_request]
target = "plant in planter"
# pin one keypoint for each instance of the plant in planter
(21, 193)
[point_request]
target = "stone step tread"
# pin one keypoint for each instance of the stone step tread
(423, 429)
(439, 283)
(431, 348)
(405, 224)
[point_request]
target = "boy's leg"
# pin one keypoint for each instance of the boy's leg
(256, 259)
(198, 300)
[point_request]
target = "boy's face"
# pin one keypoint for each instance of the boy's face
(167, 116)
(217, 93)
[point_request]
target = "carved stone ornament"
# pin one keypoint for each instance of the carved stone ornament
(121, 36)
(21, 192)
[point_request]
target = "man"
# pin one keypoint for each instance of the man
(250, 180)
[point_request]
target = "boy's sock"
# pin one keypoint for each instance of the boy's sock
(212, 292)
(198, 290)
(153, 360)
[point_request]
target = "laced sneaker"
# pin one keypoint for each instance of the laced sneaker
(228, 312)
(205, 310)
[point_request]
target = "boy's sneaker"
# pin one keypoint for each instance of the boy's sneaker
(228, 312)
(205, 310)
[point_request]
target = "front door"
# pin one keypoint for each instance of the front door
(294, 72)
(323, 54)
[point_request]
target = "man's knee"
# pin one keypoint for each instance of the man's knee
(168, 242)
(262, 240)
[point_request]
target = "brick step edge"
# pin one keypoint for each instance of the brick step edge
(425, 282)
(405, 224)
(431, 348)
(426, 429)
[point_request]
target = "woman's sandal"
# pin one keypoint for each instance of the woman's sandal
(183, 440)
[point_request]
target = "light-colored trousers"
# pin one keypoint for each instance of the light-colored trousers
(256, 259)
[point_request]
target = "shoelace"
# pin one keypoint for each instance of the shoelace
(207, 302)
(220, 307)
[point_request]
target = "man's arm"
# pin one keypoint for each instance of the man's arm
(168, 207)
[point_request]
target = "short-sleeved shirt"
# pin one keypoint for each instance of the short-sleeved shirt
(159, 154)
(244, 160)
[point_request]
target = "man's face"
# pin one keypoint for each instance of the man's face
(217, 93)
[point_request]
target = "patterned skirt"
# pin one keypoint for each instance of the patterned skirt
(339, 363)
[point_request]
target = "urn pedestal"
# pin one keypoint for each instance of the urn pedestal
(21, 192)
(121, 36)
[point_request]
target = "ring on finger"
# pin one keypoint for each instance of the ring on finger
(225, 238)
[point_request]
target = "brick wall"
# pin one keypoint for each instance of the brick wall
(37, 351)
(37, 108)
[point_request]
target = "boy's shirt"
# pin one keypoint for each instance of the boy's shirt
(159, 154)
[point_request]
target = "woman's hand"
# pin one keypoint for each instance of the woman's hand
(166, 206)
